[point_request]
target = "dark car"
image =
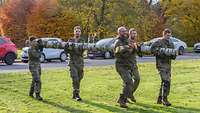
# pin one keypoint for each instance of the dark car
(106, 53)
(8, 50)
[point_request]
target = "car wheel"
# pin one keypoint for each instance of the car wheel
(107, 55)
(42, 58)
(9, 58)
(181, 50)
(63, 57)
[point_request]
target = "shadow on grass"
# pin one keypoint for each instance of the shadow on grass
(142, 108)
(172, 108)
(66, 108)
(118, 109)
(59, 106)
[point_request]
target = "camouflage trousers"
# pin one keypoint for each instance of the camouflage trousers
(165, 75)
(76, 72)
(130, 77)
(35, 70)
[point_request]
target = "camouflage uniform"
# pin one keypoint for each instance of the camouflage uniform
(34, 66)
(126, 66)
(76, 65)
(163, 64)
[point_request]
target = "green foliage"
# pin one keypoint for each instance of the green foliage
(100, 90)
(103, 17)
(184, 18)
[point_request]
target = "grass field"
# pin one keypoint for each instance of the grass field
(100, 89)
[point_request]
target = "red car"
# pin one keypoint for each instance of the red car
(8, 50)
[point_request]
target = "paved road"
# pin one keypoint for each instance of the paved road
(17, 67)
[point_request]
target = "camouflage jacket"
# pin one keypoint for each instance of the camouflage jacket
(34, 56)
(162, 61)
(124, 55)
(75, 54)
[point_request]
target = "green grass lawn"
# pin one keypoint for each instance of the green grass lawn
(100, 89)
(189, 50)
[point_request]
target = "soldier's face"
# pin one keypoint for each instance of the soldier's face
(167, 35)
(133, 34)
(123, 32)
(77, 33)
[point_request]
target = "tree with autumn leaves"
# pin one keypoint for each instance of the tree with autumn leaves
(43, 18)
(51, 20)
(56, 18)
(14, 19)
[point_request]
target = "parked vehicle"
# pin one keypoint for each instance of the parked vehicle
(196, 48)
(104, 43)
(180, 46)
(8, 50)
(48, 54)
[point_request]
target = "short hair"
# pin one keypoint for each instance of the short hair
(119, 29)
(77, 27)
(132, 29)
(167, 30)
(31, 38)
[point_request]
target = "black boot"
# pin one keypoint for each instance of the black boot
(133, 99)
(78, 98)
(76, 95)
(31, 93)
(166, 102)
(159, 100)
(122, 101)
(38, 97)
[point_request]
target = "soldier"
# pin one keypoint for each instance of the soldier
(163, 64)
(134, 69)
(34, 54)
(126, 65)
(76, 62)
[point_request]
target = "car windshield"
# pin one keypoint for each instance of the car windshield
(155, 39)
(7, 40)
(105, 42)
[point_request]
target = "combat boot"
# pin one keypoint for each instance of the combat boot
(166, 102)
(38, 97)
(31, 93)
(133, 99)
(76, 96)
(122, 101)
(159, 100)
